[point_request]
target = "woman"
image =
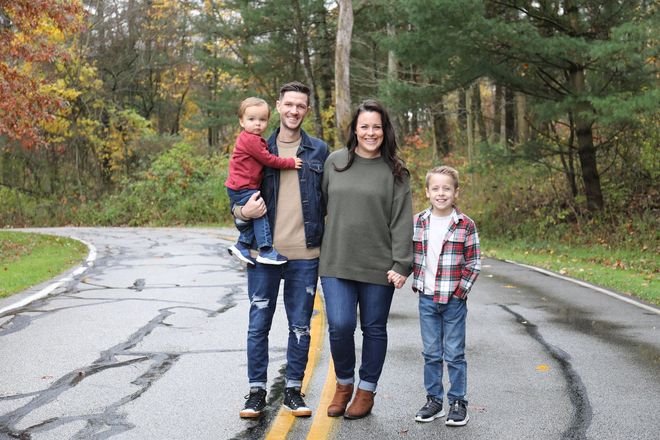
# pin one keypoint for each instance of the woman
(366, 251)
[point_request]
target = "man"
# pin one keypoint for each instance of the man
(293, 203)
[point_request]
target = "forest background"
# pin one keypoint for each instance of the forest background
(123, 112)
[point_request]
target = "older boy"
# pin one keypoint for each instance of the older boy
(446, 264)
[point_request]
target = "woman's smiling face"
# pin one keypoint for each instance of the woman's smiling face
(369, 133)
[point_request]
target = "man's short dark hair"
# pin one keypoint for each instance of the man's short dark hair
(295, 86)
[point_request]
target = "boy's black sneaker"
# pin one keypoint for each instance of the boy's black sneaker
(431, 411)
(256, 402)
(458, 415)
(293, 401)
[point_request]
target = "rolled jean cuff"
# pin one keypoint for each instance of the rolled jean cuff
(293, 383)
(261, 385)
(349, 381)
(367, 386)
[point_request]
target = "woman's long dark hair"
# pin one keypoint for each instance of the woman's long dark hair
(389, 147)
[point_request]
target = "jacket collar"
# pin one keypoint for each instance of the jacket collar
(305, 140)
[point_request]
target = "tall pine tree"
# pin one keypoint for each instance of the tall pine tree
(590, 63)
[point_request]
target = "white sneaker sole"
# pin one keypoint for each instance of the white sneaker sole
(263, 260)
(430, 419)
(461, 423)
(249, 414)
(300, 412)
(233, 251)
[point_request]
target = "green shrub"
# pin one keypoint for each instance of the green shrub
(180, 187)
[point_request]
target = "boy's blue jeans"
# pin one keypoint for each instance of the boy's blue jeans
(258, 228)
(342, 298)
(300, 277)
(443, 338)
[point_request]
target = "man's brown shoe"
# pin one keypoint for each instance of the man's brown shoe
(361, 404)
(343, 394)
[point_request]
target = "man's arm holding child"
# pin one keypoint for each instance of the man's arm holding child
(255, 207)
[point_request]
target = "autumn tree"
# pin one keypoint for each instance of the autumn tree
(28, 39)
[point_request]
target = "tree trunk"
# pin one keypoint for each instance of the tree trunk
(477, 111)
(342, 69)
(469, 125)
(583, 124)
(326, 76)
(586, 150)
(570, 165)
(99, 26)
(509, 116)
(307, 65)
(441, 131)
(522, 127)
(393, 75)
(497, 114)
(462, 109)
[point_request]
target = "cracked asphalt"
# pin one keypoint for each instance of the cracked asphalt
(149, 343)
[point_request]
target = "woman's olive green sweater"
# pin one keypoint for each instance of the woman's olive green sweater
(369, 222)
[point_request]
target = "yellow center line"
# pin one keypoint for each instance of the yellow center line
(322, 425)
(284, 419)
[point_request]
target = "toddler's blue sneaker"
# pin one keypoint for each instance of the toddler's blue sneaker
(242, 252)
(271, 256)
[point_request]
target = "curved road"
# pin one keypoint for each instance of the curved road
(149, 343)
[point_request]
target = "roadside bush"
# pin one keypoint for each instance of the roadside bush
(515, 199)
(180, 187)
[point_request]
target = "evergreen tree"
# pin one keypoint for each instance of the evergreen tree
(258, 46)
(590, 63)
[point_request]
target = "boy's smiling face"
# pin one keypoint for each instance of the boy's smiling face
(442, 194)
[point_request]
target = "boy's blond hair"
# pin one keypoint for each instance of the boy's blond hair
(251, 102)
(444, 169)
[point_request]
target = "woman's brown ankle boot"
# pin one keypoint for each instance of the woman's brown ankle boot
(343, 394)
(361, 404)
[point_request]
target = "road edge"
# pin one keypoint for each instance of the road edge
(89, 262)
(610, 293)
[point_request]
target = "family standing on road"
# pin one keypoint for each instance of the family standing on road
(361, 196)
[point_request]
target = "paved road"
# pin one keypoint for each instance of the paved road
(149, 343)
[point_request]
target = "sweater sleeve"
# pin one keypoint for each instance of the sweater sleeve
(401, 227)
(258, 149)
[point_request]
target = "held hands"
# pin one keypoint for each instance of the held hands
(299, 163)
(395, 278)
(255, 207)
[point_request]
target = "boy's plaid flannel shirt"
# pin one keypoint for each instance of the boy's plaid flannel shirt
(460, 261)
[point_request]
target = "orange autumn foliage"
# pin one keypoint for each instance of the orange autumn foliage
(32, 33)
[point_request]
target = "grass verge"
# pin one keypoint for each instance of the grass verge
(27, 259)
(633, 273)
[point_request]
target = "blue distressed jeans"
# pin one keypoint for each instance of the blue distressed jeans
(443, 339)
(300, 278)
(257, 228)
(342, 300)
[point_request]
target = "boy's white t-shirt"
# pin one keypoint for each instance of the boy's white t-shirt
(438, 228)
